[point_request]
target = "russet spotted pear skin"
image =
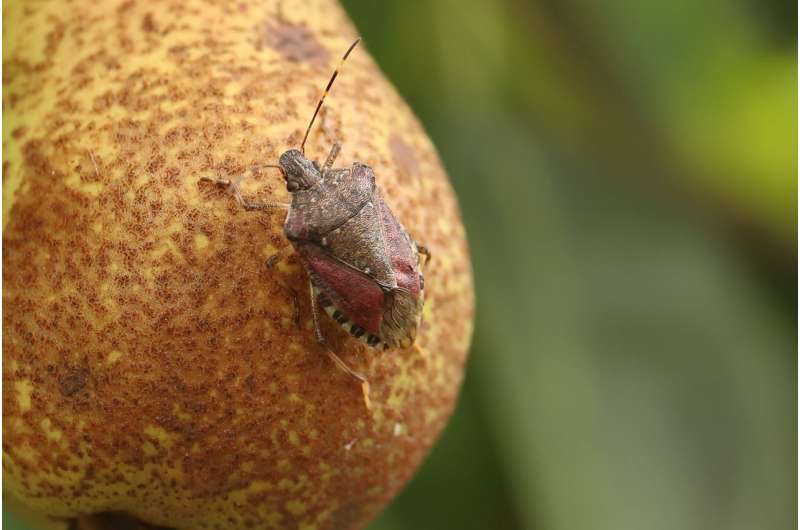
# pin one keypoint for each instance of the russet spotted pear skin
(153, 366)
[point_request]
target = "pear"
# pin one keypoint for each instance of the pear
(153, 366)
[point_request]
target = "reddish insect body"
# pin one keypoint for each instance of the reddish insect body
(364, 268)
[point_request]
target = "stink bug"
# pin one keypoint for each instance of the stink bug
(363, 267)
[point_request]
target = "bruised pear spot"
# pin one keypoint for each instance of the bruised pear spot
(73, 381)
(296, 43)
(403, 155)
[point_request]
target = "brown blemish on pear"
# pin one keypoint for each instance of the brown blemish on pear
(73, 381)
(295, 42)
(403, 156)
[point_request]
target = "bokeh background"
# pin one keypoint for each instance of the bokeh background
(627, 173)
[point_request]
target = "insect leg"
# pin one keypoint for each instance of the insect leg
(335, 148)
(333, 357)
(278, 256)
(271, 261)
(245, 203)
(296, 302)
(425, 251)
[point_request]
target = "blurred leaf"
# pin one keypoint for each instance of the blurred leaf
(639, 378)
(717, 98)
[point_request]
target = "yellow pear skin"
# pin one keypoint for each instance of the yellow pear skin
(152, 364)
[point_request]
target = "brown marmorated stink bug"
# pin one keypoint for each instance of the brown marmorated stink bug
(363, 267)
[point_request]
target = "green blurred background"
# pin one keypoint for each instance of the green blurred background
(627, 173)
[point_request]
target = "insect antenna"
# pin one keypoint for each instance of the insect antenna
(259, 166)
(327, 89)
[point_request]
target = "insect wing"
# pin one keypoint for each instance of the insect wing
(401, 252)
(353, 293)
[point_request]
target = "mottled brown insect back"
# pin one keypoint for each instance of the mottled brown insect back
(357, 254)
(153, 366)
